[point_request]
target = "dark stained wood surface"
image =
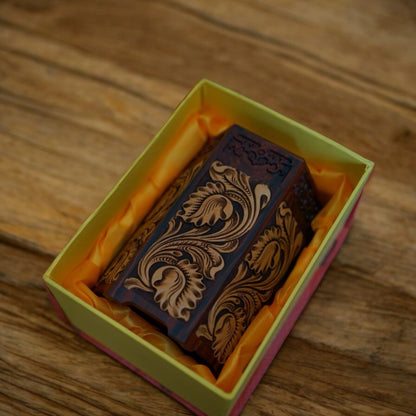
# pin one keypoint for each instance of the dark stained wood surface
(84, 85)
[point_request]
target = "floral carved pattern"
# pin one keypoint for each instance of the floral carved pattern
(208, 224)
(144, 231)
(256, 280)
(115, 269)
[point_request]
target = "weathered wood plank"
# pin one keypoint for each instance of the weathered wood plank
(75, 130)
(381, 247)
(85, 85)
(339, 38)
(113, 113)
(350, 116)
(312, 379)
(354, 44)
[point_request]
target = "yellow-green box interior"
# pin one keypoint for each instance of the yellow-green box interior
(159, 366)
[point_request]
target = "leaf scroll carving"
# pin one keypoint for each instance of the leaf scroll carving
(136, 241)
(255, 282)
(208, 225)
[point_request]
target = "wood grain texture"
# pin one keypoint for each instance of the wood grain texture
(84, 85)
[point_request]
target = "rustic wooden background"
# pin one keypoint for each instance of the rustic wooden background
(84, 85)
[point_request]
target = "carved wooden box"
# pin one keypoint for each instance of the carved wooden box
(218, 244)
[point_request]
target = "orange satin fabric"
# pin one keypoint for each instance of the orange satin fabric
(332, 186)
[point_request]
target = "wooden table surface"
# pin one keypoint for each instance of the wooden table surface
(84, 85)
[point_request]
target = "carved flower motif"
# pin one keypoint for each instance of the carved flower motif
(178, 288)
(255, 282)
(265, 254)
(229, 329)
(208, 205)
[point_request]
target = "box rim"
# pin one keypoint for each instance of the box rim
(314, 263)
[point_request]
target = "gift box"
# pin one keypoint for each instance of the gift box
(340, 176)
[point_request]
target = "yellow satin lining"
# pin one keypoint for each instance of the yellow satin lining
(332, 186)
